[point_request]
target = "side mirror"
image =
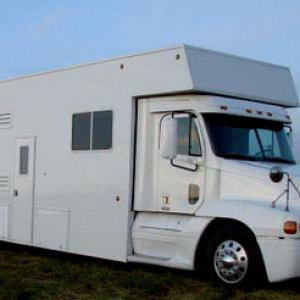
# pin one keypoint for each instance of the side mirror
(168, 137)
(276, 174)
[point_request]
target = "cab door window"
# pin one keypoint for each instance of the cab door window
(188, 142)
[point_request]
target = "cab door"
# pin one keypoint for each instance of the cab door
(162, 184)
(180, 187)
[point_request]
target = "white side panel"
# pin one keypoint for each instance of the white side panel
(224, 74)
(167, 238)
(94, 185)
(146, 159)
(289, 252)
(4, 222)
(185, 68)
(51, 229)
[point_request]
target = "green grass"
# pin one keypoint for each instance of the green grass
(33, 274)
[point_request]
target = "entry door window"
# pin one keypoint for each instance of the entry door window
(24, 160)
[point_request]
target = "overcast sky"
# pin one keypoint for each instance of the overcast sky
(40, 35)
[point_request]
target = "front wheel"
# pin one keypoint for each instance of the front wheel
(231, 261)
(234, 259)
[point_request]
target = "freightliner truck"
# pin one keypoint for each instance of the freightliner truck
(179, 157)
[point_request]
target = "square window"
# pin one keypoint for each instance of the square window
(102, 130)
(81, 135)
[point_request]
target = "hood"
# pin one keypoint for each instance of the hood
(250, 181)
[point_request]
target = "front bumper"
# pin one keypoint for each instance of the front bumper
(281, 257)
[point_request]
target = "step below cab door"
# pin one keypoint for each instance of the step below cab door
(168, 183)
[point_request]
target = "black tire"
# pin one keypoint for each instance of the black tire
(233, 259)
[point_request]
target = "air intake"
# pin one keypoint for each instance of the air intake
(4, 183)
(5, 120)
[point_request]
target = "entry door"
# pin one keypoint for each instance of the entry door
(22, 208)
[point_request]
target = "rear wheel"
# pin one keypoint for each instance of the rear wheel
(233, 258)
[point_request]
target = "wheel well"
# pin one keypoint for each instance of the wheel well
(213, 227)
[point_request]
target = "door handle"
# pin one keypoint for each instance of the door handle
(16, 193)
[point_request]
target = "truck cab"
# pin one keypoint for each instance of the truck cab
(203, 193)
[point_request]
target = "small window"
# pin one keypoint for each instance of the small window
(102, 130)
(183, 136)
(24, 157)
(188, 137)
(92, 130)
(81, 139)
(195, 148)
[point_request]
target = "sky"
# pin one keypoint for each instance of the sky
(43, 35)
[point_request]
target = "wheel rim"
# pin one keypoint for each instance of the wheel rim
(231, 261)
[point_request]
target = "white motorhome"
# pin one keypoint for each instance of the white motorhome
(161, 158)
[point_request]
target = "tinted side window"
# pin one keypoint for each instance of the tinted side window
(183, 136)
(195, 146)
(188, 138)
(81, 135)
(102, 130)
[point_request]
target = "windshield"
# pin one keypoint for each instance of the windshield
(245, 138)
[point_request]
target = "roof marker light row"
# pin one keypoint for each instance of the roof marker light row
(250, 111)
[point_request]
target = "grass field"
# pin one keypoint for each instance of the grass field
(27, 273)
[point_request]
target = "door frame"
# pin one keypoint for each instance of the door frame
(31, 141)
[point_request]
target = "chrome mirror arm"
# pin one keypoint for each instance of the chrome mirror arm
(287, 192)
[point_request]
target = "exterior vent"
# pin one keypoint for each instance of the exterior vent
(5, 120)
(4, 183)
